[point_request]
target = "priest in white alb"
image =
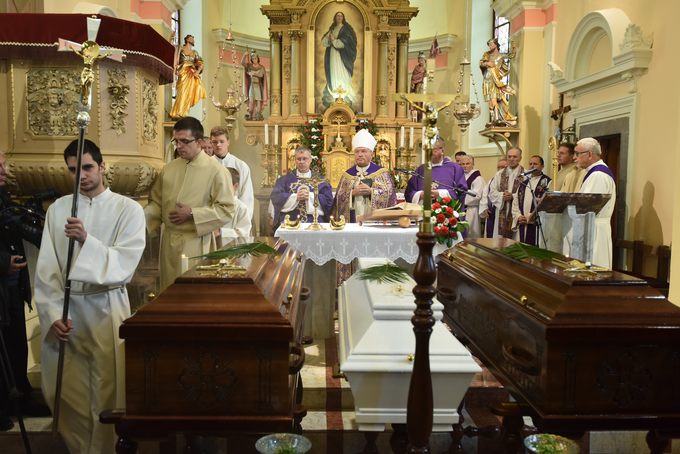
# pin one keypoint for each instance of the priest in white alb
(599, 179)
(503, 190)
(476, 185)
(109, 235)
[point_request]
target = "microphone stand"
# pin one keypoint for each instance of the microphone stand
(459, 191)
(538, 218)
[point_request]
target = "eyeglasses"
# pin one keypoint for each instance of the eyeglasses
(182, 141)
(580, 152)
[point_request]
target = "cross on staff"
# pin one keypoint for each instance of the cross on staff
(314, 182)
(554, 142)
(90, 51)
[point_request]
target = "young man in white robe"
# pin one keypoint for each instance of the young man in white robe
(109, 235)
(598, 179)
(476, 185)
(220, 141)
(239, 226)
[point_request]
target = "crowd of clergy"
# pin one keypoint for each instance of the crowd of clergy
(207, 193)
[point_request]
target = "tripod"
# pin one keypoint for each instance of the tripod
(12, 392)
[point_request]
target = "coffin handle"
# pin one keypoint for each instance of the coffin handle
(520, 359)
(297, 349)
(305, 293)
(446, 294)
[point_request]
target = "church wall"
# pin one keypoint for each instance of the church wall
(652, 161)
(120, 8)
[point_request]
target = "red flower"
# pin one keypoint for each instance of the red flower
(453, 234)
(436, 206)
(444, 230)
(309, 136)
(446, 200)
(436, 230)
(321, 154)
(449, 211)
(441, 218)
(306, 130)
(306, 122)
(453, 222)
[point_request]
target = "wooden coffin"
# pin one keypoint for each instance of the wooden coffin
(601, 354)
(215, 353)
(376, 348)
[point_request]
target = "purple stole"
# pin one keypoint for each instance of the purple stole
(599, 168)
(527, 232)
(505, 213)
(488, 225)
(473, 176)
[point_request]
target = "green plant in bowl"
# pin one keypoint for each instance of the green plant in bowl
(283, 444)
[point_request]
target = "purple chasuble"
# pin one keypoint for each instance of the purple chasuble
(449, 173)
(289, 184)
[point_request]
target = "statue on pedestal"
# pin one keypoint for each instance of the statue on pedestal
(188, 67)
(494, 66)
(417, 79)
(255, 86)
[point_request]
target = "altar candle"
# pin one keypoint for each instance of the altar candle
(411, 140)
(276, 134)
(266, 134)
(184, 264)
(402, 137)
(423, 144)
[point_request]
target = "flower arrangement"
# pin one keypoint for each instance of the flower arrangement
(397, 179)
(446, 220)
(311, 136)
(368, 125)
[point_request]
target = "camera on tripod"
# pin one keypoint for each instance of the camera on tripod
(25, 220)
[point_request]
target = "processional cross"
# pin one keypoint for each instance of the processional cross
(90, 51)
(420, 407)
(554, 141)
(314, 182)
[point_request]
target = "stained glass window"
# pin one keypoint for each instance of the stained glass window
(501, 31)
(175, 42)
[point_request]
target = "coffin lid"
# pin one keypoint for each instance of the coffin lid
(376, 333)
(541, 288)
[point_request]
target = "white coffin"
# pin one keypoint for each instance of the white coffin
(376, 339)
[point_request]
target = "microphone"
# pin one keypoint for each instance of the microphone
(405, 171)
(528, 172)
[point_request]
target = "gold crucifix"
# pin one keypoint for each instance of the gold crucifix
(341, 93)
(338, 139)
(314, 182)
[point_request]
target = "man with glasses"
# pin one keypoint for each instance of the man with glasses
(598, 179)
(293, 197)
(503, 190)
(193, 196)
(443, 171)
(366, 186)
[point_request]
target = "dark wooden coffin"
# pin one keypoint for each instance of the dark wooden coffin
(578, 354)
(218, 354)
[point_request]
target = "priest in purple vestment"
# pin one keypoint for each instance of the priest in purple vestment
(294, 197)
(366, 186)
(523, 206)
(443, 171)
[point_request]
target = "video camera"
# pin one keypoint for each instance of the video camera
(25, 220)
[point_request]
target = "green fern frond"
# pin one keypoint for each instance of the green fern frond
(384, 274)
(256, 249)
(520, 251)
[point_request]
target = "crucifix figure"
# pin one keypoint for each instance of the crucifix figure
(555, 140)
(314, 182)
(338, 139)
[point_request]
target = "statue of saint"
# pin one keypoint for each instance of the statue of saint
(384, 155)
(494, 66)
(188, 67)
(417, 78)
(341, 51)
(255, 85)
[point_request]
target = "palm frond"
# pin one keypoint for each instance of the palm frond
(384, 274)
(256, 249)
(520, 251)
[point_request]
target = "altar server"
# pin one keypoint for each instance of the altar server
(366, 186)
(569, 177)
(598, 179)
(503, 190)
(443, 171)
(109, 239)
(475, 183)
(523, 206)
(294, 198)
(220, 142)
(239, 225)
(193, 196)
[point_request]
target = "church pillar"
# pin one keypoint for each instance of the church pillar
(295, 91)
(402, 72)
(383, 38)
(275, 73)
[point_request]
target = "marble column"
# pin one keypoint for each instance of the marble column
(295, 80)
(403, 83)
(275, 73)
(383, 38)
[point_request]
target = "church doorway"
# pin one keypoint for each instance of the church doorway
(611, 155)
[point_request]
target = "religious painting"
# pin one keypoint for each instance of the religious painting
(339, 56)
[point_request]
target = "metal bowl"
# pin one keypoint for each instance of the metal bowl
(566, 445)
(271, 444)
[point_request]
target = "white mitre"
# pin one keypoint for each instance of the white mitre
(364, 139)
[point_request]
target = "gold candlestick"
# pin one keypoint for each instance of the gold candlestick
(314, 182)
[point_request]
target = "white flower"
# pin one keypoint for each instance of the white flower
(433, 220)
(455, 214)
(446, 221)
(460, 236)
(315, 137)
(315, 157)
(438, 210)
(315, 145)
